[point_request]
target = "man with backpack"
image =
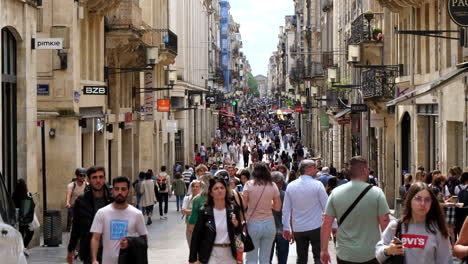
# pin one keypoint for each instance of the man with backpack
(74, 189)
(461, 212)
(164, 190)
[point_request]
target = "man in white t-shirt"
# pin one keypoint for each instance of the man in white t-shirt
(115, 222)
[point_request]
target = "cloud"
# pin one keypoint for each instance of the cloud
(260, 21)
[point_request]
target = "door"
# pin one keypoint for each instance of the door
(405, 144)
(9, 104)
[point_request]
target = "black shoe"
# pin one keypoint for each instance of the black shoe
(149, 221)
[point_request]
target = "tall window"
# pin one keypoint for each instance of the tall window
(9, 120)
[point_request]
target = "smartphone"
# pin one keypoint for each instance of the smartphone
(397, 240)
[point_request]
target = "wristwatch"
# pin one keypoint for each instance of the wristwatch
(385, 252)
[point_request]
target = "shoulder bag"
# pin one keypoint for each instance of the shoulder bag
(342, 218)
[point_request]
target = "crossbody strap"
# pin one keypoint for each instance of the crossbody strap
(258, 201)
(340, 221)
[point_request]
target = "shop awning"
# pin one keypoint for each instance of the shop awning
(428, 86)
(91, 112)
(342, 113)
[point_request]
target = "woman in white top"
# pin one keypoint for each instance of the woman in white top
(213, 238)
(148, 198)
(196, 186)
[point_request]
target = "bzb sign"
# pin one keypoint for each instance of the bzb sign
(458, 12)
(95, 90)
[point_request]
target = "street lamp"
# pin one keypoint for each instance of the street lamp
(332, 74)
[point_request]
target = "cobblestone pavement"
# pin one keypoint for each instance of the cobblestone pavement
(167, 243)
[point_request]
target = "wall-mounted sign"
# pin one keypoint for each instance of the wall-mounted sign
(95, 90)
(358, 108)
(47, 43)
(42, 89)
(299, 109)
(128, 117)
(164, 105)
(76, 96)
(458, 12)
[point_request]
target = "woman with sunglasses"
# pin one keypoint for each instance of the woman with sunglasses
(421, 235)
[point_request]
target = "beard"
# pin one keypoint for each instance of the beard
(120, 199)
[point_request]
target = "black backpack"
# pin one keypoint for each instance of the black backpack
(463, 195)
(26, 211)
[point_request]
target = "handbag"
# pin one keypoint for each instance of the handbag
(244, 236)
(396, 259)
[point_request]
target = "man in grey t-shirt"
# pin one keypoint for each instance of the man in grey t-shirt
(282, 245)
(359, 232)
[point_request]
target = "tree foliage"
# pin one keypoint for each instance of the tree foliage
(253, 85)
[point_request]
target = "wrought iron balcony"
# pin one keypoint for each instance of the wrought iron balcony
(363, 26)
(379, 83)
(296, 74)
(337, 98)
(313, 70)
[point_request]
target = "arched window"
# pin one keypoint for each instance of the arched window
(8, 108)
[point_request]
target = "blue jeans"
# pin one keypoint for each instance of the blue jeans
(179, 201)
(282, 249)
(263, 234)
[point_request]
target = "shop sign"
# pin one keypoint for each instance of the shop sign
(149, 97)
(343, 121)
(95, 90)
(298, 109)
(42, 89)
(47, 43)
(210, 99)
(171, 126)
(358, 108)
(76, 96)
(128, 117)
(164, 105)
(458, 12)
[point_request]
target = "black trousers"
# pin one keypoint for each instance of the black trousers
(27, 235)
(246, 161)
(372, 261)
(303, 239)
(163, 197)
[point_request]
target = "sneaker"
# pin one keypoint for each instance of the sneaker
(149, 221)
(162, 218)
(165, 217)
(26, 252)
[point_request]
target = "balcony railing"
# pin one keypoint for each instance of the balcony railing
(97, 6)
(313, 70)
(296, 74)
(379, 83)
(363, 26)
(337, 98)
(165, 39)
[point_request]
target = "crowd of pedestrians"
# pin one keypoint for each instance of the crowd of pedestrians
(255, 191)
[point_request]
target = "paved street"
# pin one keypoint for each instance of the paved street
(167, 244)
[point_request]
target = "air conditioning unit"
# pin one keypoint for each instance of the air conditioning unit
(152, 55)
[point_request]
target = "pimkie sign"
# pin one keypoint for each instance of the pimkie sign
(164, 105)
(458, 12)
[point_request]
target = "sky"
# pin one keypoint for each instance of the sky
(259, 26)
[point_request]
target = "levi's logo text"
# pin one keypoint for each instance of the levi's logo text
(118, 229)
(414, 241)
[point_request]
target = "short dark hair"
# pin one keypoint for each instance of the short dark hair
(187, 167)
(163, 168)
(356, 164)
(121, 179)
(142, 175)
(464, 177)
(95, 169)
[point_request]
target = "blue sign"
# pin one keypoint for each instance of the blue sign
(76, 96)
(42, 89)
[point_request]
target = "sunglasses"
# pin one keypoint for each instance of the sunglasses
(420, 200)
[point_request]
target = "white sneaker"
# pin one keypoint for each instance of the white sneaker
(165, 217)
(161, 218)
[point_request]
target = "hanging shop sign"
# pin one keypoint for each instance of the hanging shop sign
(149, 97)
(171, 126)
(358, 108)
(210, 99)
(47, 43)
(343, 121)
(299, 109)
(164, 105)
(95, 90)
(458, 12)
